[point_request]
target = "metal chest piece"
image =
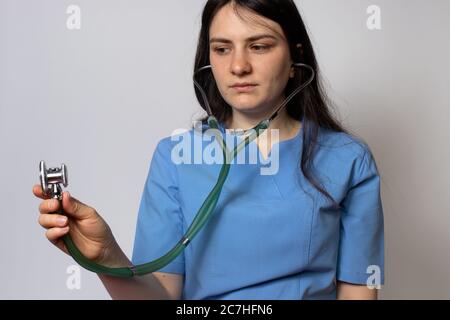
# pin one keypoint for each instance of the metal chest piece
(52, 178)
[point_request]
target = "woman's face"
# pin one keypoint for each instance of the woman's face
(242, 51)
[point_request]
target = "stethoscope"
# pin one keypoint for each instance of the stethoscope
(52, 178)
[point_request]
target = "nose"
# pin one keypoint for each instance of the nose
(240, 64)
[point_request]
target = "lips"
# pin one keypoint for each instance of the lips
(243, 87)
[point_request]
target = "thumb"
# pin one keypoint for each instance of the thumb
(75, 208)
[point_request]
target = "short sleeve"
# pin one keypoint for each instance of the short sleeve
(361, 246)
(159, 224)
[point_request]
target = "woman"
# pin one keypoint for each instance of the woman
(310, 230)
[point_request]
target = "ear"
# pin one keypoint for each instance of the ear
(292, 72)
(299, 47)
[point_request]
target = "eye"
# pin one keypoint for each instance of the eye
(220, 50)
(261, 47)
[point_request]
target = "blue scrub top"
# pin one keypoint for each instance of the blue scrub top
(271, 236)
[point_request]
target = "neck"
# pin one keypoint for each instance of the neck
(287, 126)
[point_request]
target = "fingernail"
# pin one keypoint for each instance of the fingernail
(61, 220)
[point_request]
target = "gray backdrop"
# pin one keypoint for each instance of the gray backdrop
(100, 97)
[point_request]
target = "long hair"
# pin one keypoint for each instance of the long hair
(310, 106)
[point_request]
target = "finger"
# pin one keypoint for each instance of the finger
(54, 234)
(49, 206)
(37, 191)
(52, 220)
(76, 208)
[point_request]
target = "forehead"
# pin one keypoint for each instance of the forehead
(236, 22)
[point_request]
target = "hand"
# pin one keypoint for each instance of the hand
(86, 227)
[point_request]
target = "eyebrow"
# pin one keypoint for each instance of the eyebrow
(250, 39)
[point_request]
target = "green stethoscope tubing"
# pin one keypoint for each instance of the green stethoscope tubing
(208, 205)
(197, 224)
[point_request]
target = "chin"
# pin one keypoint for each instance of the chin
(250, 108)
(244, 104)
